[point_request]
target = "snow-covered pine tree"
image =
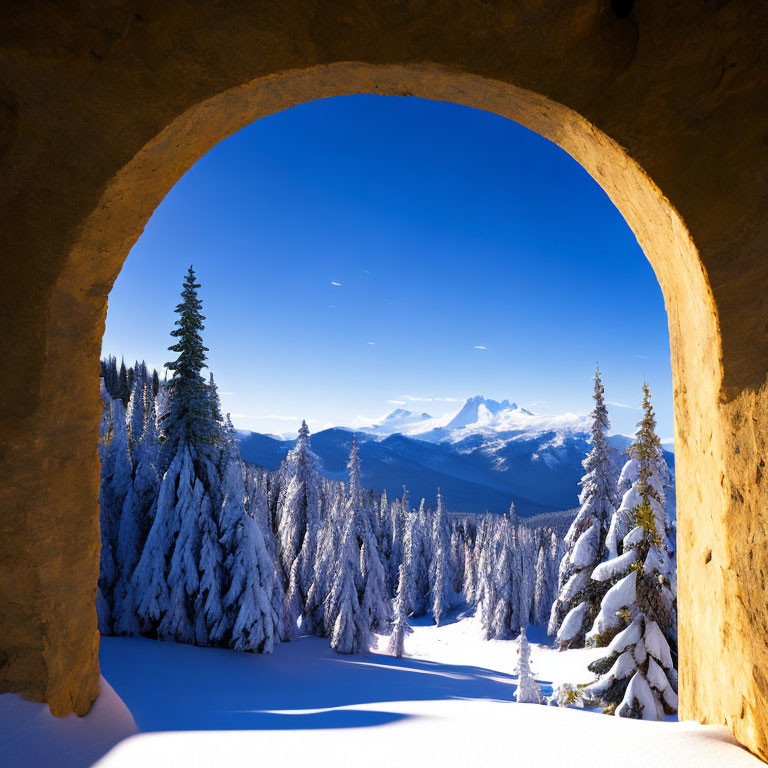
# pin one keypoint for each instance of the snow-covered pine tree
(318, 619)
(637, 676)
(541, 605)
(400, 627)
(211, 620)
(116, 472)
(254, 621)
(136, 517)
(351, 629)
(214, 400)
(135, 414)
(298, 520)
(499, 604)
(441, 573)
(638, 533)
(188, 418)
(399, 518)
(149, 585)
(183, 578)
(416, 557)
(375, 601)
(257, 506)
(579, 596)
(528, 691)
(524, 565)
(346, 610)
(165, 582)
(469, 583)
(123, 388)
(458, 551)
(478, 570)
(384, 529)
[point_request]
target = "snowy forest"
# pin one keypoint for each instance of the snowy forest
(199, 547)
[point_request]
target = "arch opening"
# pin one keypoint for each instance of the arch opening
(76, 309)
(161, 224)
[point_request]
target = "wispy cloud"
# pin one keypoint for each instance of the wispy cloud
(366, 271)
(642, 357)
(396, 402)
(371, 343)
(479, 346)
(277, 417)
(333, 282)
(623, 405)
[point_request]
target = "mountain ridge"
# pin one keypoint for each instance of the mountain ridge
(482, 465)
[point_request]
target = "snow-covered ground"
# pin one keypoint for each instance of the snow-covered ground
(450, 702)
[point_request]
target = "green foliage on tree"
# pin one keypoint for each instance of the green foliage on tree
(189, 417)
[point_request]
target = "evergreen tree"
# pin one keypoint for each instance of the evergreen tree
(116, 471)
(123, 387)
(135, 415)
(213, 398)
(212, 623)
(136, 517)
(528, 691)
(149, 585)
(637, 676)
(257, 507)
(400, 627)
(579, 595)
(499, 606)
(250, 569)
(155, 382)
(351, 630)
(298, 520)
(416, 557)
(318, 619)
(375, 603)
(458, 551)
(441, 576)
(541, 605)
(183, 578)
(399, 516)
(346, 610)
(384, 529)
(188, 418)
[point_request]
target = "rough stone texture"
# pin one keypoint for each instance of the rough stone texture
(104, 105)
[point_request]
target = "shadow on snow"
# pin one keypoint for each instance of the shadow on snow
(302, 685)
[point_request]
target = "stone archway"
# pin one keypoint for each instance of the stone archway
(102, 109)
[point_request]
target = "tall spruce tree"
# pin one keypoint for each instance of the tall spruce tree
(345, 607)
(579, 596)
(638, 614)
(298, 520)
(441, 569)
(400, 627)
(188, 417)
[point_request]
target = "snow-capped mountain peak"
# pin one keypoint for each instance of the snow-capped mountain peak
(399, 420)
(481, 411)
(478, 415)
(400, 414)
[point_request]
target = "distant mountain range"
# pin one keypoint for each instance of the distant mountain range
(483, 457)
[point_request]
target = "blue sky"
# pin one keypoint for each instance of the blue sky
(361, 252)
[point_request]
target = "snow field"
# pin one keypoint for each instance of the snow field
(448, 702)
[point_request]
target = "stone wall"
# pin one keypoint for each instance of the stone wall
(104, 105)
